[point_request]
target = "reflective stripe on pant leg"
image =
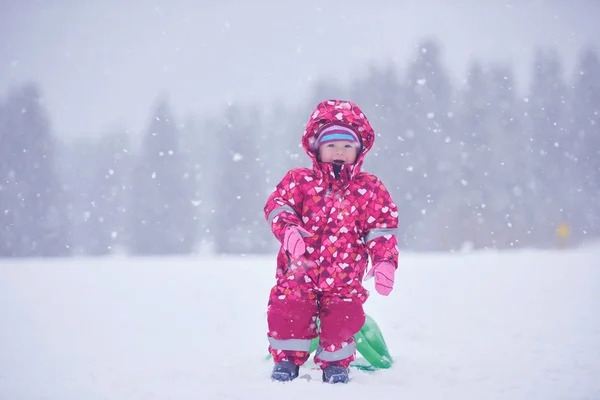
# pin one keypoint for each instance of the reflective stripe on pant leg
(338, 355)
(290, 344)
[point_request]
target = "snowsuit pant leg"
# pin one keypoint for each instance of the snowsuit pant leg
(341, 319)
(291, 327)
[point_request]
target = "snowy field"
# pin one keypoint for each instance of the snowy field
(482, 325)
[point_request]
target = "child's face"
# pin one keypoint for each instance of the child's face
(338, 152)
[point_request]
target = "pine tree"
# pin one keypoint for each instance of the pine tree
(432, 147)
(585, 153)
(109, 195)
(198, 146)
(507, 166)
(239, 225)
(547, 112)
(77, 161)
(33, 215)
(475, 116)
(162, 192)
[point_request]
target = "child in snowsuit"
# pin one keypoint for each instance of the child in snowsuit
(329, 220)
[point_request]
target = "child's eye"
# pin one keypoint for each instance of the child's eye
(348, 146)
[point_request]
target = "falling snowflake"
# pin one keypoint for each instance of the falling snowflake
(237, 157)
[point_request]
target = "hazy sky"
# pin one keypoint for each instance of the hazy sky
(104, 62)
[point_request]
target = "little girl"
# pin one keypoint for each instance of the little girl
(329, 220)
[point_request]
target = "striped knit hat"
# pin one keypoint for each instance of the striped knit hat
(336, 132)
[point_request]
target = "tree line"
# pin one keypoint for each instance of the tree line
(473, 163)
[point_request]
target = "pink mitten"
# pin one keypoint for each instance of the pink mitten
(293, 242)
(384, 277)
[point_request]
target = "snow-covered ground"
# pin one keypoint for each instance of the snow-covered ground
(482, 325)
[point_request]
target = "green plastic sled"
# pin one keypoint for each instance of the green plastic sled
(370, 344)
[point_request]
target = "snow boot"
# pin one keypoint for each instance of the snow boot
(285, 371)
(335, 374)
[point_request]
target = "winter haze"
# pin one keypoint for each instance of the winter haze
(161, 127)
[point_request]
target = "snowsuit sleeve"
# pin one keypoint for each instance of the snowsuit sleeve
(382, 226)
(284, 205)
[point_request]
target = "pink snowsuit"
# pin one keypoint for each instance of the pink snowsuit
(352, 217)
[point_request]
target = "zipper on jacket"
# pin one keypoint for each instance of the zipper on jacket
(328, 189)
(289, 262)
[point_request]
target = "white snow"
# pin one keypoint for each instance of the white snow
(481, 325)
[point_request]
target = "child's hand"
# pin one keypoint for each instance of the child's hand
(293, 242)
(384, 277)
